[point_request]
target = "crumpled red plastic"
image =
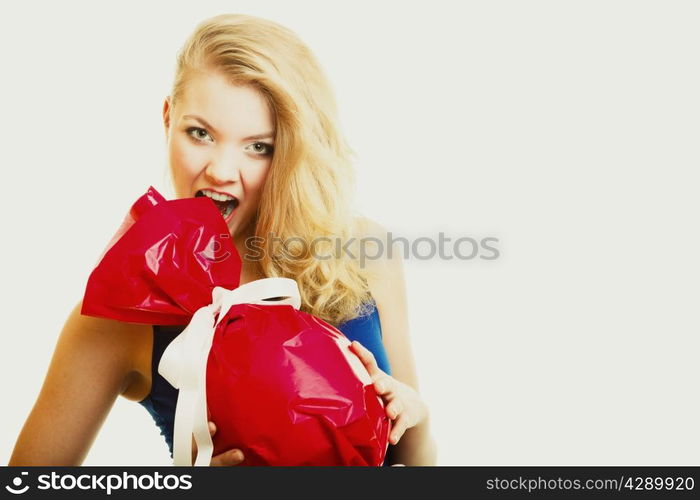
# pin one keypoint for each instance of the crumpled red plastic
(281, 385)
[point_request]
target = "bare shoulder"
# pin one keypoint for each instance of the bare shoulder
(367, 228)
(381, 264)
(385, 276)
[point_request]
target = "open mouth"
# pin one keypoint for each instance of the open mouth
(224, 206)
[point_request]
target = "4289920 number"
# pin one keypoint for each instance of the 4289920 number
(659, 483)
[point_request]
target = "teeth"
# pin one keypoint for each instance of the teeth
(221, 198)
(229, 209)
(217, 196)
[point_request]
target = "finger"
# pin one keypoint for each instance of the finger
(228, 458)
(394, 408)
(400, 426)
(366, 357)
(384, 385)
(212, 431)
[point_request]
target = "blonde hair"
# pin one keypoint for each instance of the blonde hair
(306, 198)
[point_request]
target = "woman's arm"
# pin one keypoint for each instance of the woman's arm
(92, 364)
(386, 282)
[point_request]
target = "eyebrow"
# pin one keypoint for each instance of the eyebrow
(266, 135)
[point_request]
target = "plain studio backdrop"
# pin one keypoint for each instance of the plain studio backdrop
(567, 130)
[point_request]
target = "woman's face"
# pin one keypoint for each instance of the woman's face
(221, 140)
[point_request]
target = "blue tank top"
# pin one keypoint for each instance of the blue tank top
(162, 399)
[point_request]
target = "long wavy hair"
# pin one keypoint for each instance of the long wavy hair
(305, 206)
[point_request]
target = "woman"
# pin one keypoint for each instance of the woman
(250, 123)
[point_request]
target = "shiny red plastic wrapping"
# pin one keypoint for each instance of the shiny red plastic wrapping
(281, 385)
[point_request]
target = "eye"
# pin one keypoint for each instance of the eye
(196, 135)
(260, 148)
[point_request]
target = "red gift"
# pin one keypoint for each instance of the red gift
(282, 385)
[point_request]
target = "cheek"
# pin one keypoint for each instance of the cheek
(255, 179)
(185, 160)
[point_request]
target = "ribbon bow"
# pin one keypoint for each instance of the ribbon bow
(184, 362)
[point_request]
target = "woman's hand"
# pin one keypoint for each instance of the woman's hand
(227, 458)
(402, 403)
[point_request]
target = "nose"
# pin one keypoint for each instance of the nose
(224, 168)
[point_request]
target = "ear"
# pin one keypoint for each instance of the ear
(166, 115)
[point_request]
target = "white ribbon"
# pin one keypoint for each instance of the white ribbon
(184, 361)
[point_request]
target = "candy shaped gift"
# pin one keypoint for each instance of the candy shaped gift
(280, 384)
